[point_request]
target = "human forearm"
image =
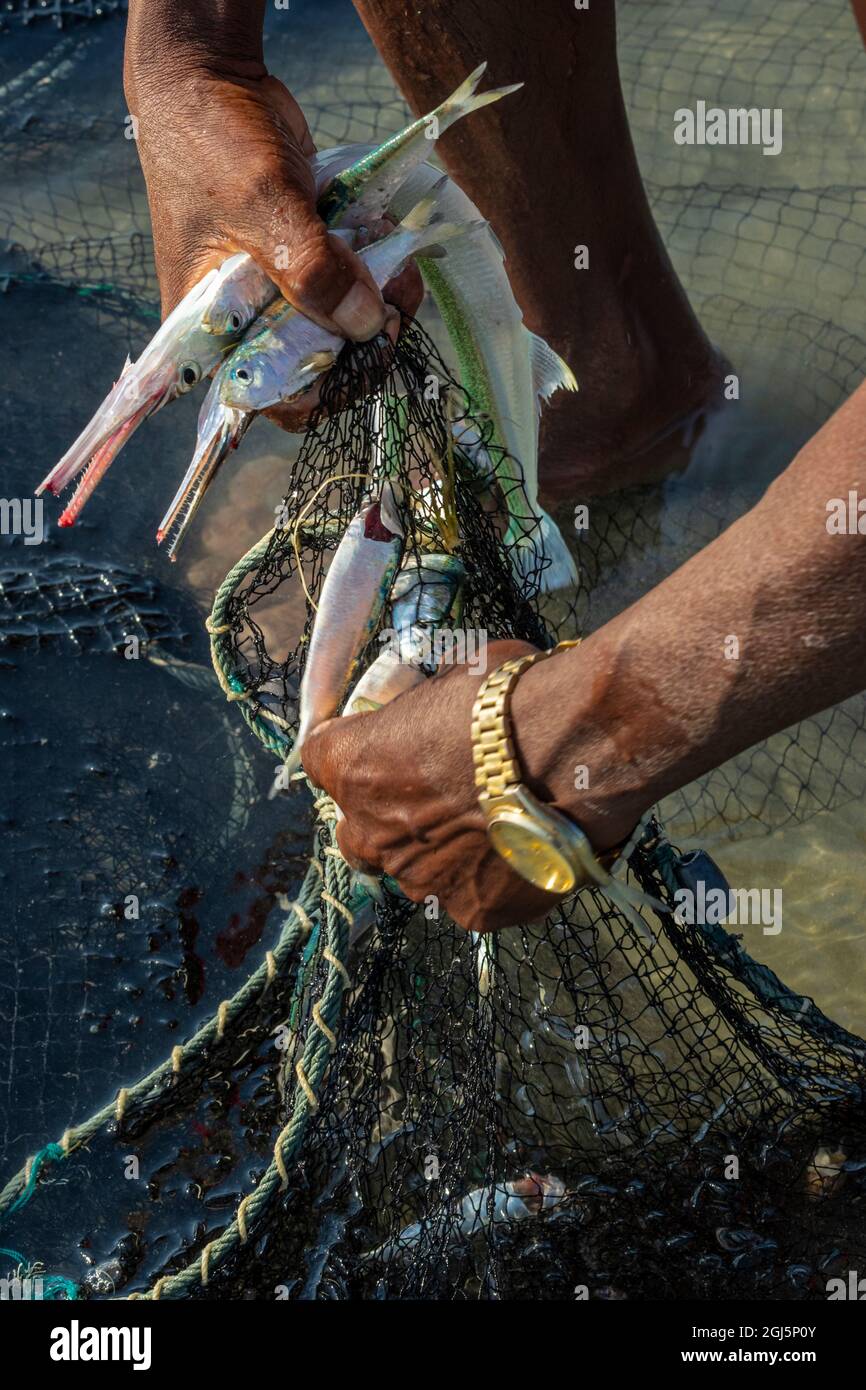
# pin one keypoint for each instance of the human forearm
(165, 39)
(762, 628)
(651, 701)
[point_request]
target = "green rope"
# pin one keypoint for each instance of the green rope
(325, 897)
(53, 1286)
(50, 1152)
(268, 733)
(310, 1072)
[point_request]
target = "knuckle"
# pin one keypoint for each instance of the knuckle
(314, 272)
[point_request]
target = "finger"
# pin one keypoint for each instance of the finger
(178, 270)
(315, 271)
(320, 756)
(354, 853)
(405, 290)
(290, 112)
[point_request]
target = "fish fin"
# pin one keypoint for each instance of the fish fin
(291, 765)
(424, 217)
(467, 99)
(549, 372)
(371, 885)
(317, 362)
(445, 232)
(361, 705)
(422, 220)
(189, 673)
(528, 551)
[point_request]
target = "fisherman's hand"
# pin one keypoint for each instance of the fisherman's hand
(403, 777)
(225, 151)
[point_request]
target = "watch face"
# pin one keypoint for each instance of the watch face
(531, 854)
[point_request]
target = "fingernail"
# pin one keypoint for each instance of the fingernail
(361, 314)
(393, 323)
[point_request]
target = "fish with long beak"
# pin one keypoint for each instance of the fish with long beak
(282, 356)
(181, 354)
(219, 309)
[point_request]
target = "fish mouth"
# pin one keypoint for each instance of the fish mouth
(222, 432)
(98, 445)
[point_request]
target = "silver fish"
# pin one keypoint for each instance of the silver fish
(482, 1208)
(350, 606)
(180, 355)
(281, 357)
(218, 310)
(425, 594)
(507, 371)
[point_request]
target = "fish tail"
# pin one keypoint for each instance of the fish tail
(541, 554)
(428, 232)
(290, 767)
(467, 99)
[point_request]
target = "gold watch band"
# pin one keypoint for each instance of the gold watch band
(496, 767)
(537, 841)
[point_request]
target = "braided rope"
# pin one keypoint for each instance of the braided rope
(325, 894)
(310, 1072)
(278, 740)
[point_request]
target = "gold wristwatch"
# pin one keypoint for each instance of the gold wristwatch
(537, 842)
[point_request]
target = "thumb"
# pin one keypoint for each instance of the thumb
(312, 268)
(320, 756)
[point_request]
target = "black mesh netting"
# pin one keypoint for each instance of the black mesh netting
(672, 1121)
(624, 1075)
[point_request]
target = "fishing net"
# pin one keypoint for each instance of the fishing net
(673, 1121)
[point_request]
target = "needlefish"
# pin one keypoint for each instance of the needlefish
(283, 354)
(190, 343)
(218, 310)
(480, 1209)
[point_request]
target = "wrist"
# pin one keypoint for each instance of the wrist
(571, 756)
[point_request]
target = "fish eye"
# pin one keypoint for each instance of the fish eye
(189, 376)
(235, 321)
(242, 374)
